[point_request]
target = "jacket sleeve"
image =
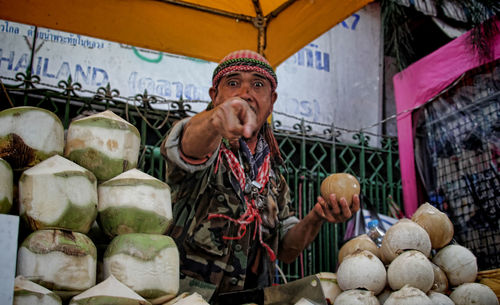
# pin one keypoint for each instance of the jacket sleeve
(171, 150)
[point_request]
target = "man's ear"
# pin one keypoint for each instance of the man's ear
(274, 96)
(213, 93)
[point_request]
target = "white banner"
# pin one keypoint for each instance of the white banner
(335, 79)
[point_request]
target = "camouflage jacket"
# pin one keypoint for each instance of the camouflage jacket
(209, 263)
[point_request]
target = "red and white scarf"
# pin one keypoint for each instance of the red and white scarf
(252, 213)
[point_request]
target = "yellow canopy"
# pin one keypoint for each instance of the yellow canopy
(206, 29)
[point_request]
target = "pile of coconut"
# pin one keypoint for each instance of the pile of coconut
(403, 271)
(95, 223)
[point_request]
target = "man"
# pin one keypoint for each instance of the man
(230, 202)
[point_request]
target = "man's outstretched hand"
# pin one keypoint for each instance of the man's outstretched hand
(334, 210)
(234, 119)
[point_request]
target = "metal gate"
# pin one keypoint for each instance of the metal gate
(308, 157)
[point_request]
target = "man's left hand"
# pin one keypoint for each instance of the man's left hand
(334, 210)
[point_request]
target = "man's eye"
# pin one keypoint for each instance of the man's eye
(232, 83)
(259, 84)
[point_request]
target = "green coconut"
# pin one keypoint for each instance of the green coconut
(109, 292)
(29, 135)
(58, 193)
(58, 260)
(28, 293)
(146, 263)
(331, 289)
(104, 143)
(6, 187)
(134, 202)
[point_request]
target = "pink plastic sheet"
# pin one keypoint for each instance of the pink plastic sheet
(419, 83)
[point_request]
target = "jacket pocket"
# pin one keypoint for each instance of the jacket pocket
(208, 234)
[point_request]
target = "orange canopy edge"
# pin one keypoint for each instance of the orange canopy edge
(205, 29)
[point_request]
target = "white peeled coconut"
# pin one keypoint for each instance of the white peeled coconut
(410, 268)
(6, 187)
(192, 299)
(109, 292)
(29, 135)
(177, 298)
(408, 296)
(404, 235)
(472, 294)
(362, 269)
(104, 143)
(58, 260)
(134, 202)
(360, 242)
(435, 223)
(331, 289)
(440, 280)
(147, 263)
(28, 293)
(438, 298)
(384, 295)
(58, 193)
(459, 264)
(356, 297)
(342, 185)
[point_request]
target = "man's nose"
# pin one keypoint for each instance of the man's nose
(245, 90)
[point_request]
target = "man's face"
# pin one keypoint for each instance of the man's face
(252, 87)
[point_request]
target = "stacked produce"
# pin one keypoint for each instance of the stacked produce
(109, 292)
(331, 289)
(411, 275)
(59, 260)
(58, 194)
(134, 202)
(93, 195)
(28, 293)
(6, 187)
(147, 263)
(58, 201)
(362, 269)
(104, 143)
(29, 135)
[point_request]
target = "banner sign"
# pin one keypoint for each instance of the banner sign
(334, 79)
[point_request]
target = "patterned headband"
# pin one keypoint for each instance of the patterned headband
(244, 60)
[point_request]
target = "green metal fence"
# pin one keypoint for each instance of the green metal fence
(308, 157)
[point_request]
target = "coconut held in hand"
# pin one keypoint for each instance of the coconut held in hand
(342, 185)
